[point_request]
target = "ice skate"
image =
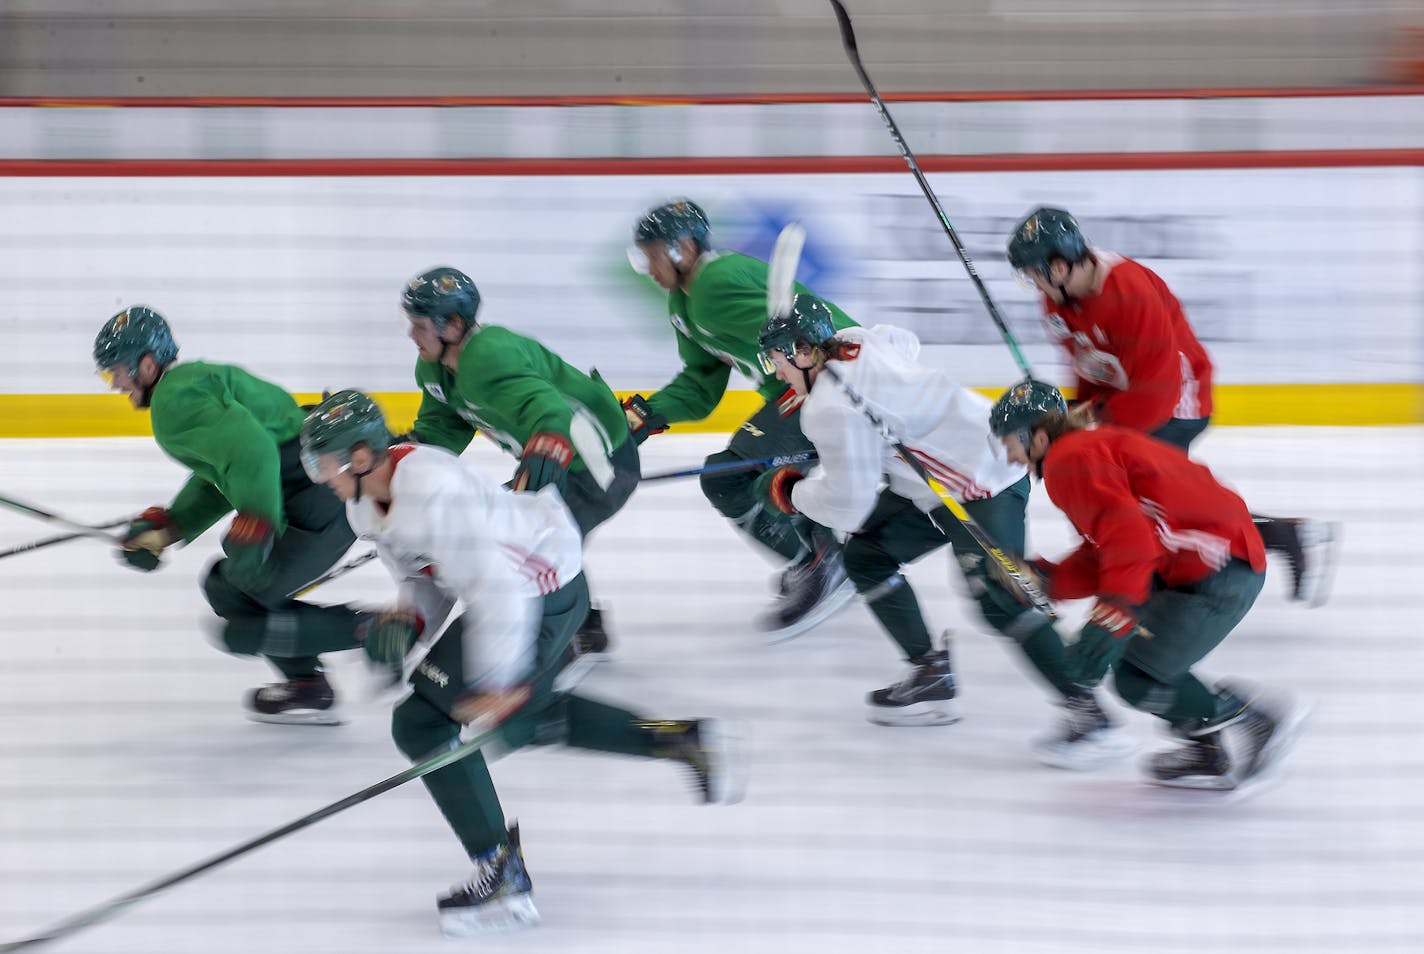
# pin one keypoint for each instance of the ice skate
(1262, 734)
(1085, 739)
(924, 697)
(1199, 763)
(306, 700)
(811, 592)
(587, 649)
(498, 896)
(713, 752)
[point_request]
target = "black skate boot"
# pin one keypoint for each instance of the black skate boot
(587, 649)
(1085, 739)
(1261, 733)
(1199, 762)
(305, 700)
(811, 591)
(710, 749)
(924, 697)
(498, 896)
(591, 638)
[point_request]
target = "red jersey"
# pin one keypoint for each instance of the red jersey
(1143, 508)
(1133, 351)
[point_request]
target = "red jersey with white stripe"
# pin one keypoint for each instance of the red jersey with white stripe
(451, 535)
(1143, 508)
(945, 425)
(1135, 354)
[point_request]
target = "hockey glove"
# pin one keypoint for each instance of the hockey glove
(388, 636)
(1102, 641)
(483, 711)
(774, 487)
(545, 460)
(248, 546)
(643, 421)
(146, 537)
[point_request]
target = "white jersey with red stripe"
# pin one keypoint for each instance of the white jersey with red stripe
(945, 425)
(450, 534)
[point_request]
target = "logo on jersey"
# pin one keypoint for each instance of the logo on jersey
(435, 391)
(434, 673)
(1057, 327)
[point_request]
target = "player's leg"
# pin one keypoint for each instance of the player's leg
(896, 533)
(1230, 734)
(291, 634)
(813, 585)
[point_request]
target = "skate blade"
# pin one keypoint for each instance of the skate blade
(818, 614)
(1198, 783)
(332, 716)
(1086, 756)
(728, 785)
(507, 915)
(1329, 551)
(922, 713)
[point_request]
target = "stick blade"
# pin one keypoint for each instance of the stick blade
(781, 272)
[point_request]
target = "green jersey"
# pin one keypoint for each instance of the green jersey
(226, 426)
(718, 319)
(511, 387)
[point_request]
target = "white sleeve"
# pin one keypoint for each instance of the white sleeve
(422, 594)
(841, 492)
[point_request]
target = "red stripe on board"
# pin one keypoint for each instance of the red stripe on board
(724, 99)
(778, 165)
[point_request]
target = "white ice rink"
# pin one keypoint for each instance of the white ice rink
(124, 755)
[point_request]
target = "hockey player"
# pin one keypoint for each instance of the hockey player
(512, 561)
(717, 303)
(565, 427)
(862, 487)
(238, 436)
(1138, 362)
(1174, 563)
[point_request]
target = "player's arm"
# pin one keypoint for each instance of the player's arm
(518, 392)
(840, 492)
(228, 442)
(436, 423)
(1094, 494)
(696, 390)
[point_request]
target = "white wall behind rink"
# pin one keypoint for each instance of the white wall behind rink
(1290, 275)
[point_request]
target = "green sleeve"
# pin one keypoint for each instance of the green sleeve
(698, 387)
(436, 423)
(226, 443)
(197, 507)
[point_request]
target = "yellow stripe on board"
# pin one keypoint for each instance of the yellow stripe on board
(1361, 405)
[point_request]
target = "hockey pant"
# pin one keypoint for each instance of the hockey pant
(1186, 624)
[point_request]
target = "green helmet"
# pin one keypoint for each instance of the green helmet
(1042, 236)
(671, 223)
(440, 293)
(1022, 406)
(808, 322)
(336, 425)
(131, 334)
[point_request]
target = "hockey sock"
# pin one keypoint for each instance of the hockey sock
(603, 728)
(894, 604)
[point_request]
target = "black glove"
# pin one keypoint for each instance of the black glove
(546, 459)
(143, 541)
(643, 421)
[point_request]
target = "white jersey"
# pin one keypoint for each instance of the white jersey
(945, 426)
(451, 535)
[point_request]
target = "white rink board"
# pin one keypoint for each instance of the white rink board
(1290, 275)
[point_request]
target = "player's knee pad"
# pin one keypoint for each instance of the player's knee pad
(1142, 691)
(730, 494)
(419, 728)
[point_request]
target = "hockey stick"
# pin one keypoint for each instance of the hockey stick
(62, 538)
(848, 41)
(733, 466)
(79, 529)
(333, 573)
(119, 905)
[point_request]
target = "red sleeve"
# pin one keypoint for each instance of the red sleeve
(1075, 577)
(1092, 490)
(1142, 338)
